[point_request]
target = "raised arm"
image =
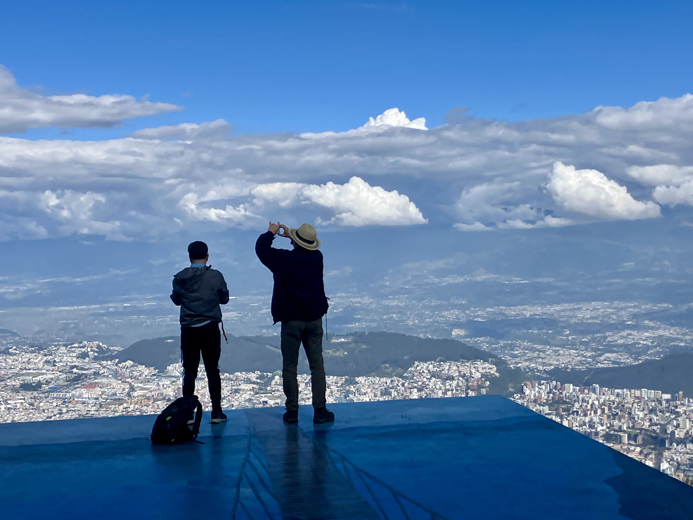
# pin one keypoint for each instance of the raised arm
(263, 247)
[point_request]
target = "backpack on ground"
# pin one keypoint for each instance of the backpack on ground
(171, 426)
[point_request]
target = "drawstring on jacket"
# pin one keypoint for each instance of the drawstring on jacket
(224, 332)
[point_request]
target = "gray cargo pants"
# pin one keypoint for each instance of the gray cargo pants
(310, 334)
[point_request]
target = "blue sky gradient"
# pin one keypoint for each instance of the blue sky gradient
(316, 66)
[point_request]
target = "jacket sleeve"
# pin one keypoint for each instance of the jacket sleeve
(264, 251)
(175, 296)
(322, 283)
(223, 291)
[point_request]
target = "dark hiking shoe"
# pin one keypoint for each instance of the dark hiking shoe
(291, 416)
(218, 416)
(322, 415)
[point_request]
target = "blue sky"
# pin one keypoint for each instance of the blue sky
(129, 129)
(316, 66)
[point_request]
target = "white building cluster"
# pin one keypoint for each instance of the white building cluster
(67, 382)
(653, 427)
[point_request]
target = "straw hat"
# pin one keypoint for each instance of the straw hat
(306, 237)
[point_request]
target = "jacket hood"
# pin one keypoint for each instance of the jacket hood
(189, 279)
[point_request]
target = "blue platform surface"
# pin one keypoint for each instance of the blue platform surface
(467, 458)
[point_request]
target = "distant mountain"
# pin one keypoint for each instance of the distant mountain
(240, 355)
(8, 333)
(670, 374)
(360, 354)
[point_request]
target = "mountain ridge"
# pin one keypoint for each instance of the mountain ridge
(670, 374)
(384, 354)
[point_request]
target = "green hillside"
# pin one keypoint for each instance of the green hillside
(359, 354)
(670, 374)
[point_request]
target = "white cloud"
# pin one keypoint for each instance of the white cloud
(648, 115)
(284, 194)
(185, 131)
(391, 118)
(21, 109)
(547, 222)
(477, 226)
(394, 117)
(591, 193)
(490, 206)
(492, 202)
(675, 195)
(673, 184)
(355, 203)
(660, 174)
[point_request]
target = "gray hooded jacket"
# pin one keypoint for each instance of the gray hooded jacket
(199, 291)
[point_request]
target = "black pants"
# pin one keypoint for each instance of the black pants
(205, 340)
(310, 334)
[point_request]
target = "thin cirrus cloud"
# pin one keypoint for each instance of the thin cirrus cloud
(22, 109)
(474, 174)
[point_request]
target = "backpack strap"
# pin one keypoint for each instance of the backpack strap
(198, 419)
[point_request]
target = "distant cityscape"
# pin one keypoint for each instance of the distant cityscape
(534, 337)
(650, 426)
(69, 381)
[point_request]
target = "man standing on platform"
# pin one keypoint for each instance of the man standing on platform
(299, 303)
(199, 290)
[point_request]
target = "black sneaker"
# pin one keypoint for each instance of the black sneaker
(322, 415)
(218, 416)
(291, 416)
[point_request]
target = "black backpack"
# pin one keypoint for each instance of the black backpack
(171, 426)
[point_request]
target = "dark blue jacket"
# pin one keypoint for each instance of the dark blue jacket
(299, 291)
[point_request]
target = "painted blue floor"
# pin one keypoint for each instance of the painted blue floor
(476, 458)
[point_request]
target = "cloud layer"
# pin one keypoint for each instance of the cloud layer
(185, 131)
(473, 174)
(21, 109)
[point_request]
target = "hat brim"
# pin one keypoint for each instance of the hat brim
(293, 232)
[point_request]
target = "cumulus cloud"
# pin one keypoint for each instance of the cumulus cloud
(355, 203)
(675, 195)
(185, 131)
(394, 117)
(673, 184)
(391, 118)
(591, 193)
(21, 109)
